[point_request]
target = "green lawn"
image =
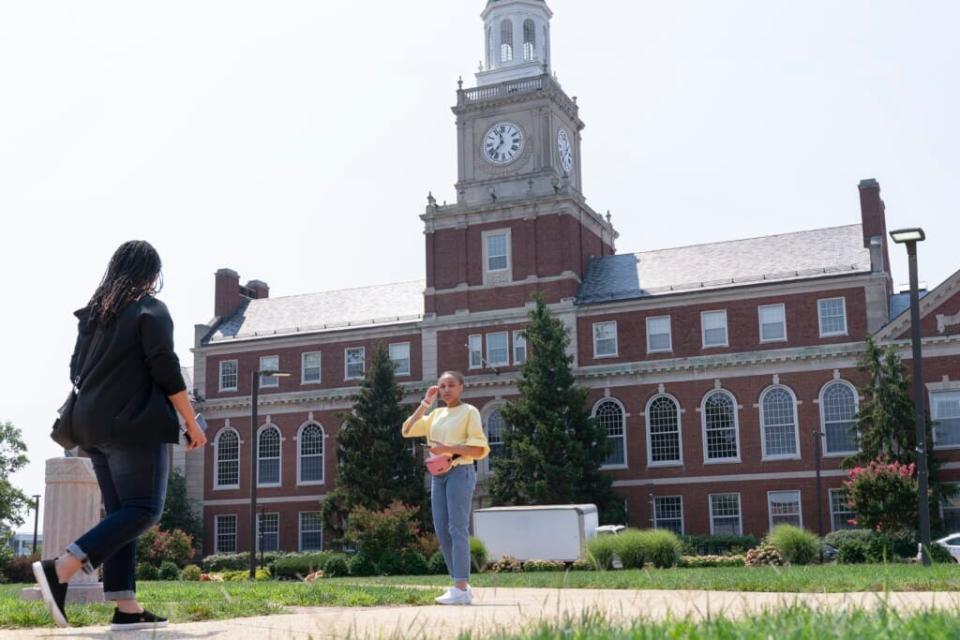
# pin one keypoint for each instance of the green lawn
(192, 601)
(814, 578)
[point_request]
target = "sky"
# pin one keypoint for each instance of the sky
(296, 141)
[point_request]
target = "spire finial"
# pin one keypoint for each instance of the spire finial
(460, 83)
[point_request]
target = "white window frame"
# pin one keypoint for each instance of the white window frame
(739, 510)
(783, 312)
(654, 506)
(832, 334)
(398, 371)
(303, 367)
(518, 337)
(269, 382)
(833, 513)
(475, 347)
(623, 437)
(236, 364)
(346, 362)
(300, 515)
(823, 424)
(499, 363)
(763, 426)
(616, 339)
(703, 329)
(216, 532)
(497, 276)
(770, 506)
(216, 459)
(646, 416)
(669, 349)
(944, 506)
(265, 515)
(323, 454)
(934, 417)
(484, 467)
(260, 483)
(736, 424)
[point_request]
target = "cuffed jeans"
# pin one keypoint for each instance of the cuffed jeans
(452, 501)
(133, 481)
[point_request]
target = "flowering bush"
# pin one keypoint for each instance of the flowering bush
(393, 530)
(765, 554)
(883, 496)
(156, 547)
(711, 561)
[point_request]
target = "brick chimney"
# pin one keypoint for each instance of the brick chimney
(257, 290)
(226, 293)
(872, 212)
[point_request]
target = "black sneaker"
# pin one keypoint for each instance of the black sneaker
(53, 592)
(146, 620)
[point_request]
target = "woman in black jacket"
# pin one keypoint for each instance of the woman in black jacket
(124, 416)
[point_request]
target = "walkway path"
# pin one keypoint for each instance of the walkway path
(495, 609)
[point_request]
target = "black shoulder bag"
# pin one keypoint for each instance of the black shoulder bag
(62, 432)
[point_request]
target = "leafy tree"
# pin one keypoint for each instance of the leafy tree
(553, 448)
(375, 466)
(178, 511)
(883, 496)
(13, 457)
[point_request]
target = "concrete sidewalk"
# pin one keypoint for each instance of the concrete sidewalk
(499, 609)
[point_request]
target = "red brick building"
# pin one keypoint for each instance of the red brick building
(715, 368)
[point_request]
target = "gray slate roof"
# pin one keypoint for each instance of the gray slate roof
(325, 311)
(788, 256)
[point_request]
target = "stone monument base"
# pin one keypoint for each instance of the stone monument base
(76, 593)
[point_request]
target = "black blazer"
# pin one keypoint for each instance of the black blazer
(127, 369)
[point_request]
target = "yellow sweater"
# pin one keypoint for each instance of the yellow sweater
(460, 425)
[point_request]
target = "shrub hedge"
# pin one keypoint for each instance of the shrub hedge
(796, 546)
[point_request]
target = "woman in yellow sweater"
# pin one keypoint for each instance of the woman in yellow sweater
(454, 430)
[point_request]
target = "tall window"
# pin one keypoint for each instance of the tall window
(354, 362)
(310, 368)
(840, 512)
(269, 363)
(310, 445)
(714, 325)
(773, 323)
(720, 427)
(784, 508)
(529, 40)
(311, 531)
(658, 334)
(945, 407)
(228, 459)
(725, 514)
(506, 41)
(950, 511)
(400, 355)
(519, 347)
(495, 426)
(498, 349)
(838, 414)
(475, 345)
(663, 431)
(268, 457)
(228, 375)
(609, 413)
(778, 415)
(497, 252)
(833, 317)
(604, 339)
(668, 513)
(225, 534)
(268, 531)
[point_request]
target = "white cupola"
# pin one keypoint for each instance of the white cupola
(517, 40)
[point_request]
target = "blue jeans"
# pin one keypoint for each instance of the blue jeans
(451, 498)
(133, 481)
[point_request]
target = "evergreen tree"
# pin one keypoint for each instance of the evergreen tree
(375, 466)
(13, 457)
(178, 511)
(553, 448)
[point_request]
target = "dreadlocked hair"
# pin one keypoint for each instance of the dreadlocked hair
(133, 272)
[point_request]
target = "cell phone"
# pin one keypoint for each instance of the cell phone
(201, 422)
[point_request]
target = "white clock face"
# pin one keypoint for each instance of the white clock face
(565, 149)
(502, 143)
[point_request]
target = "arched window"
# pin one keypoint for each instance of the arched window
(495, 426)
(720, 436)
(778, 423)
(838, 416)
(529, 40)
(663, 431)
(268, 456)
(506, 41)
(310, 454)
(609, 413)
(228, 459)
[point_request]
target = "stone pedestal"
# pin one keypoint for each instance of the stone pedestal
(71, 506)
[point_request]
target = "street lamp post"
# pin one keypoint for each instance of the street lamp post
(910, 237)
(817, 435)
(36, 520)
(255, 378)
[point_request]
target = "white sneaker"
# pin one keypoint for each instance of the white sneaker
(455, 596)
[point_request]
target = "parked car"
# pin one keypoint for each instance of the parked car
(610, 529)
(952, 543)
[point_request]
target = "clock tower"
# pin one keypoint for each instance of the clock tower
(520, 223)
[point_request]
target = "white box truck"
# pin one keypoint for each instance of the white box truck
(549, 532)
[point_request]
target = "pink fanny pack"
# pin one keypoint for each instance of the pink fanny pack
(440, 465)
